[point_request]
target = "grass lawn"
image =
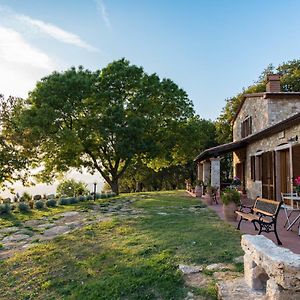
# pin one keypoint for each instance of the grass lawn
(133, 257)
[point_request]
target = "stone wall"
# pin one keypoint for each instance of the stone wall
(265, 112)
(257, 108)
(281, 109)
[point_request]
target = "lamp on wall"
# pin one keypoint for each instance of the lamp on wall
(293, 139)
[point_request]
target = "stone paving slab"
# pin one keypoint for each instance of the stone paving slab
(31, 232)
(56, 230)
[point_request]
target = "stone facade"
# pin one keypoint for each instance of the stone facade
(265, 111)
(254, 188)
(255, 107)
(281, 109)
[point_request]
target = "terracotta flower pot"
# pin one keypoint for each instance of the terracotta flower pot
(198, 191)
(229, 211)
(208, 199)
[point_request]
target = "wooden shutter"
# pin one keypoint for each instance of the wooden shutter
(296, 161)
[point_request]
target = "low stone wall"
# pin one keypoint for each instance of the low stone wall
(271, 269)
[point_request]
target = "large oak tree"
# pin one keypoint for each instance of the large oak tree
(102, 120)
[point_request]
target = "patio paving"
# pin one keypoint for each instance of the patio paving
(290, 239)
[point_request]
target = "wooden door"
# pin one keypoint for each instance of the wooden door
(268, 175)
(285, 176)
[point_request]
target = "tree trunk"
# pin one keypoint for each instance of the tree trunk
(114, 184)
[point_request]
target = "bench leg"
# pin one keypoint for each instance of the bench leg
(239, 225)
(275, 231)
(255, 228)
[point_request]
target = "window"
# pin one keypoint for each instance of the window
(256, 166)
(246, 128)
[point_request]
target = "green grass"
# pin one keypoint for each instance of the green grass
(125, 258)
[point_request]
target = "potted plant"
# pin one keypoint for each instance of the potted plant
(230, 198)
(297, 185)
(209, 194)
(199, 188)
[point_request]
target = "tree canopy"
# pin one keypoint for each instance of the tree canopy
(14, 158)
(102, 120)
(71, 188)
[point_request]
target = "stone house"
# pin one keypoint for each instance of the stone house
(266, 149)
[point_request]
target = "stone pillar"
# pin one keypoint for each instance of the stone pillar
(206, 172)
(200, 171)
(215, 172)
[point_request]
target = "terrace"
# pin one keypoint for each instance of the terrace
(290, 238)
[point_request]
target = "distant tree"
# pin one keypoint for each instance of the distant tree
(14, 158)
(102, 120)
(174, 163)
(71, 188)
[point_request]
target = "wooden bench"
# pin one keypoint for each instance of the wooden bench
(264, 212)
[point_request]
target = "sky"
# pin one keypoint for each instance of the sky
(210, 48)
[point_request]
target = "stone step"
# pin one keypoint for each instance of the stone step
(238, 289)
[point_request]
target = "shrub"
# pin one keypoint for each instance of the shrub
(25, 197)
(98, 196)
(13, 206)
(64, 201)
(23, 207)
(31, 204)
(81, 198)
(51, 203)
(39, 204)
(89, 197)
(230, 195)
(4, 209)
(37, 197)
(73, 200)
(7, 200)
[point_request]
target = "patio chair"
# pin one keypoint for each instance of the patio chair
(289, 206)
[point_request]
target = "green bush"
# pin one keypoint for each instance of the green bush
(31, 204)
(51, 203)
(98, 196)
(25, 197)
(81, 198)
(73, 200)
(7, 200)
(23, 207)
(39, 204)
(4, 209)
(64, 201)
(89, 197)
(230, 195)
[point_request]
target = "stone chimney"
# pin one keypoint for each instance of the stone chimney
(273, 83)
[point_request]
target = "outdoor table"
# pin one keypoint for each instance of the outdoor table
(298, 217)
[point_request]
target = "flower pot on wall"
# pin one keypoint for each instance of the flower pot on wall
(231, 198)
(198, 191)
(229, 211)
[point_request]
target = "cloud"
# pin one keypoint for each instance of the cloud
(103, 12)
(56, 32)
(20, 21)
(21, 64)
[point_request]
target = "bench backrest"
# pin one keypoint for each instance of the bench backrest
(266, 207)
